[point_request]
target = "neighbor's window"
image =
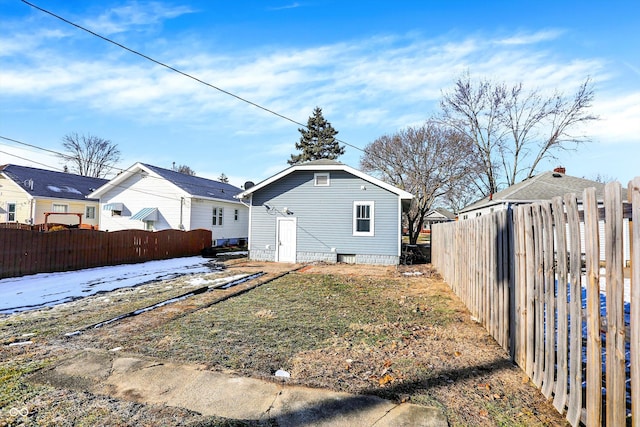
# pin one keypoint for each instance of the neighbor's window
(60, 208)
(321, 179)
(217, 216)
(11, 212)
(235, 214)
(363, 218)
(90, 212)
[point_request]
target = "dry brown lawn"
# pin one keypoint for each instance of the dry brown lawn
(399, 333)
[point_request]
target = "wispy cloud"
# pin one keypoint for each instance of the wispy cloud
(380, 83)
(632, 67)
(288, 6)
(529, 38)
(133, 16)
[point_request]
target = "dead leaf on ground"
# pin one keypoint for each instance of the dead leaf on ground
(386, 379)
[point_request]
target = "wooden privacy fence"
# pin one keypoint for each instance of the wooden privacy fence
(28, 252)
(532, 275)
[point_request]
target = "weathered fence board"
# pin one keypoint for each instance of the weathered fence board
(594, 342)
(560, 397)
(549, 302)
(615, 378)
(634, 197)
(521, 273)
(574, 405)
(25, 252)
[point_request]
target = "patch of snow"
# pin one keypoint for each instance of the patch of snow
(49, 289)
(72, 190)
(282, 374)
(412, 273)
(22, 343)
(54, 188)
(233, 253)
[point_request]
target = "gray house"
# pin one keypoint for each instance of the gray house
(325, 211)
(544, 186)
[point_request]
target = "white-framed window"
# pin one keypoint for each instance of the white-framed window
(236, 214)
(216, 218)
(148, 225)
(321, 179)
(90, 212)
(363, 218)
(11, 212)
(59, 208)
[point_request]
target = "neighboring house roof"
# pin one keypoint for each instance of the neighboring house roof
(325, 165)
(194, 186)
(440, 213)
(51, 184)
(544, 186)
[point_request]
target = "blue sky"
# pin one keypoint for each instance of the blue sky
(374, 67)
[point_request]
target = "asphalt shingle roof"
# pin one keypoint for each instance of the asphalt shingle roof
(52, 184)
(197, 186)
(544, 186)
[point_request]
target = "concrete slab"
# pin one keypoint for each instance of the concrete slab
(190, 386)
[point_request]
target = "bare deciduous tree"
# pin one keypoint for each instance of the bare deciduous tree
(183, 169)
(89, 155)
(426, 161)
(513, 130)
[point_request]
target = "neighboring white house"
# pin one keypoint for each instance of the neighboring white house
(35, 196)
(325, 211)
(152, 198)
(436, 216)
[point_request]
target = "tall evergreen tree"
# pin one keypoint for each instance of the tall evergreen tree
(317, 140)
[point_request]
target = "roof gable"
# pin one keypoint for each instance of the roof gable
(52, 184)
(440, 213)
(193, 186)
(322, 166)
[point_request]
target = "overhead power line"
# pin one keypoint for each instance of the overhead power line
(185, 74)
(119, 170)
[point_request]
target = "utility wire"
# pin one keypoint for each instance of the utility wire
(29, 160)
(155, 61)
(110, 182)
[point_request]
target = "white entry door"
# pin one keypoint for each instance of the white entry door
(286, 251)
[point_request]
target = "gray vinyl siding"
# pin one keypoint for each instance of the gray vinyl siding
(325, 217)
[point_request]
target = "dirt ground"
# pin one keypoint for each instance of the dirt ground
(422, 347)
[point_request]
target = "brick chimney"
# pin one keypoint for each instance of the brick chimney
(560, 169)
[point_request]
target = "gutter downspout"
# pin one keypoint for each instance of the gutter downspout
(32, 210)
(181, 205)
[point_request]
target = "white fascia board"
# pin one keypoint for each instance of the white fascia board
(115, 181)
(128, 173)
(17, 185)
(403, 194)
